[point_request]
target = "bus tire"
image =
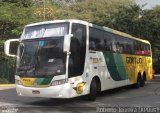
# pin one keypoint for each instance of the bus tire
(93, 91)
(139, 81)
(142, 83)
(143, 80)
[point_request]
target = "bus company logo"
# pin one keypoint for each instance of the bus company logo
(134, 60)
(96, 60)
(26, 80)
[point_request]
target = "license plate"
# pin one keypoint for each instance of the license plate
(35, 92)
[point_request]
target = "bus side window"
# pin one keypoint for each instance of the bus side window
(100, 45)
(119, 47)
(92, 45)
(108, 41)
(137, 48)
(147, 49)
(107, 46)
(114, 48)
(96, 39)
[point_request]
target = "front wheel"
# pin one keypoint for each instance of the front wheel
(93, 90)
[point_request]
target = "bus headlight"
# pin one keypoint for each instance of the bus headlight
(59, 82)
(18, 82)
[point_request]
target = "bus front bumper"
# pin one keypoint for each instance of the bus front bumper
(59, 91)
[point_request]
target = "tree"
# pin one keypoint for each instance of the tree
(12, 20)
(45, 10)
(20, 3)
(95, 11)
(152, 20)
(128, 19)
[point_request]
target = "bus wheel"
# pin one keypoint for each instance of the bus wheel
(142, 83)
(93, 90)
(139, 81)
(143, 80)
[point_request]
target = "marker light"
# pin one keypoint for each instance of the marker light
(79, 87)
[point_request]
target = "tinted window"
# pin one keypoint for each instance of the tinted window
(108, 41)
(78, 50)
(142, 48)
(105, 41)
(96, 41)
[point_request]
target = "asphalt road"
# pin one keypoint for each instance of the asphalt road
(126, 99)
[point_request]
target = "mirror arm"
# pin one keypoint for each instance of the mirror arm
(68, 53)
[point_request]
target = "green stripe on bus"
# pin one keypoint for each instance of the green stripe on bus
(115, 66)
(46, 81)
(43, 81)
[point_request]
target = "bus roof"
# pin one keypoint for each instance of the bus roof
(91, 25)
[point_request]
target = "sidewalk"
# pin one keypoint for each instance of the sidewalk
(7, 86)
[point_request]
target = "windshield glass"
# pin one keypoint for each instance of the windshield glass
(41, 57)
(45, 30)
(40, 52)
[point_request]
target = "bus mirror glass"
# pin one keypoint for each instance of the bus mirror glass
(10, 47)
(67, 41)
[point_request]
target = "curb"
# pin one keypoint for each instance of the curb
(7, 85)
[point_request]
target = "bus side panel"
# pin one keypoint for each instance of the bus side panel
(109, 68)
(148, 68)
(135, 64)
(115, 66)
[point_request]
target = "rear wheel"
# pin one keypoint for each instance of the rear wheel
(142, 83)
(143, 80)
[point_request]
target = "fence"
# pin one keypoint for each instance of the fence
(7, 71)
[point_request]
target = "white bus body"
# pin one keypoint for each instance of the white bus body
(58, 59)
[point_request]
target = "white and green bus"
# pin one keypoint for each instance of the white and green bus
(70, 58)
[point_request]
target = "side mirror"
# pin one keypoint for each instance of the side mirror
(67, 41)
(7, 47)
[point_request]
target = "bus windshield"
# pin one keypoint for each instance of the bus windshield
(41, 57)
(40, 52)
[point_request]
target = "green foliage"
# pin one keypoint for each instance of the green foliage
(12, 19)
(94, 11)
(152, 20)
(4, 81)
(2, 56)
(19, 3)
(46, 13)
